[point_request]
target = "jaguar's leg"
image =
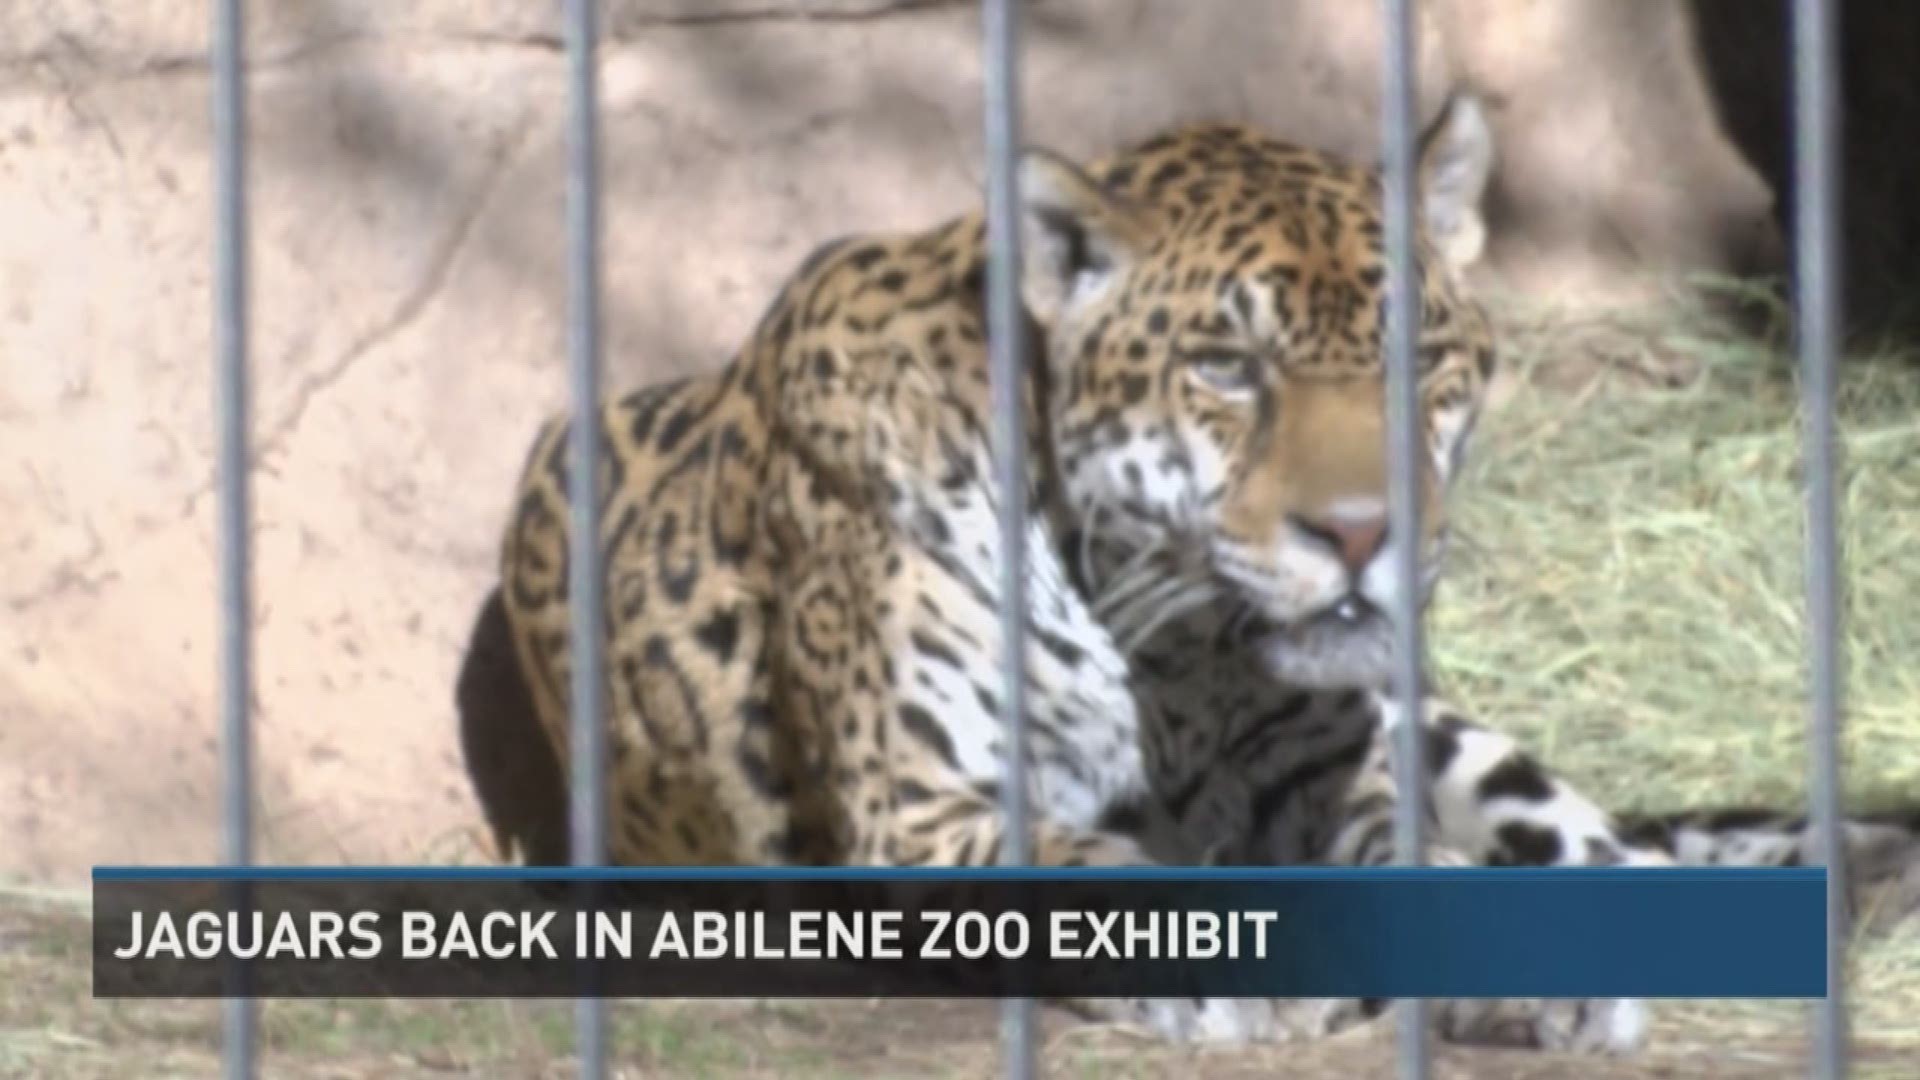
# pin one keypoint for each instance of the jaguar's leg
(1501, 806)
(968, 829)
(1492, 804)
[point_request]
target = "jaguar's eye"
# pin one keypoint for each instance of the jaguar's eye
(1225, 372)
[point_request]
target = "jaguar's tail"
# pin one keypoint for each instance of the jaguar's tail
(516, 775)
(1882, 847)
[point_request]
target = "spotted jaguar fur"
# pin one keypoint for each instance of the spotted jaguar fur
(801, 547)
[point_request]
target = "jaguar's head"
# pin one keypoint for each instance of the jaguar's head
(1213, 304)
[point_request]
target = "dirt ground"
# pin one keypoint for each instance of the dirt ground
(54, 1030)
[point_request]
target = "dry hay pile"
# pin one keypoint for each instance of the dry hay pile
(1628, 592)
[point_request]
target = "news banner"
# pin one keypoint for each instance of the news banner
(997, 932)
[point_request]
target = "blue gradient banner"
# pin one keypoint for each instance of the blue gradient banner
(749, 932)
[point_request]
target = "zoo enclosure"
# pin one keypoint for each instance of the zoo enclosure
(1816, 303)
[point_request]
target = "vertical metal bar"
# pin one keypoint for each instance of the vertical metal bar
(587, 738)
(1404, 448)
(1816, 297)
(231, 407)
(1007, 375)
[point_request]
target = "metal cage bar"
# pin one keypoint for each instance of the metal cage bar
(1817, 298)
(1000, 58)
(587, 817)
(1817, 305)
(232, 417)
(1404, 451)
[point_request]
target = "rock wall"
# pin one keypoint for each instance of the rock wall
(409, 301)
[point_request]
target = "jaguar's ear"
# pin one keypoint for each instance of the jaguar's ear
(1456, 161)
(1075, 238)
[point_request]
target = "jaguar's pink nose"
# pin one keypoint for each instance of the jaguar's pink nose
(1355, 539)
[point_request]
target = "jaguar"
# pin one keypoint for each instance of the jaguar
(801, 553)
